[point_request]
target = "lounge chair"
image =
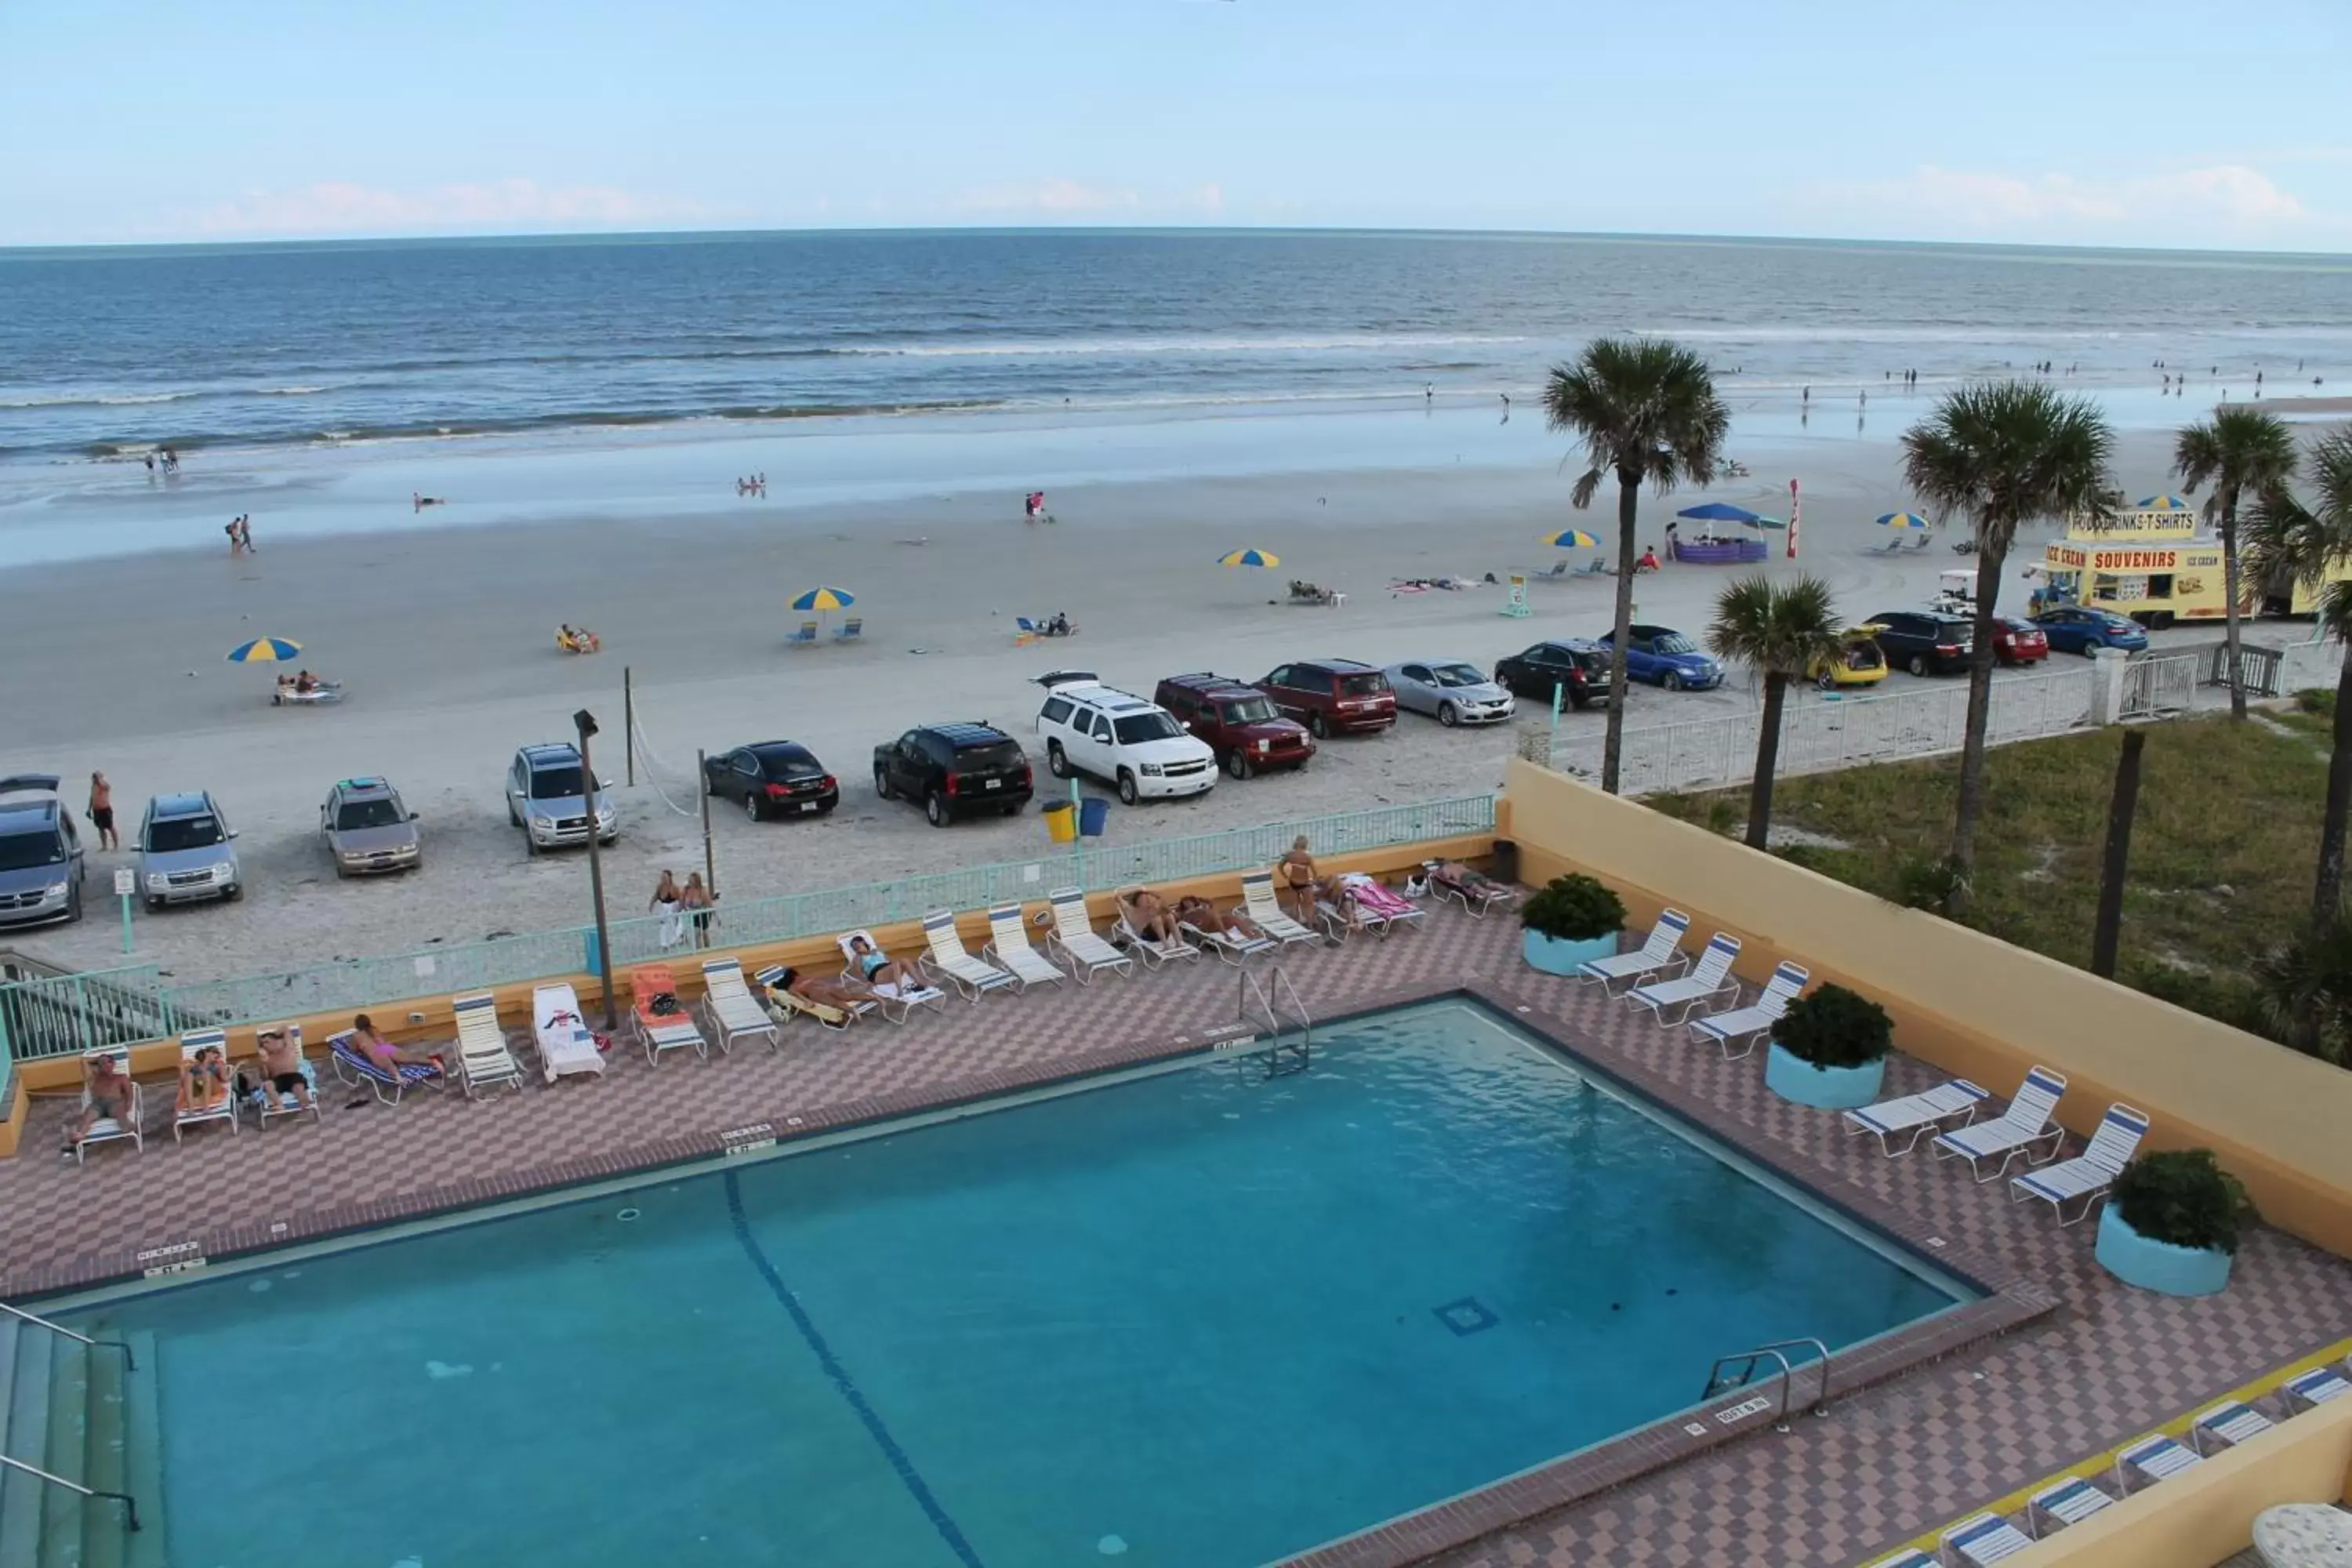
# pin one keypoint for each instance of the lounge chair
(729, 1004)
(1008, 948)
(268, 1101)
(1710, 980)
(2015, 1131)
(1909, 1557)
(1228, 943)
(353, 1066)
(220, 1105)
(851, 630)
(2090, 1173)
(784, 1006)
(1258, 903)
(668, 1031)
(2230, 1422)
(1474, 897)
(805, 637)
(483, 1060)
(896, 1003)
(107, 1129)
(1661, 955)
(1987, 1538)
(566, 1044)
(2068, 1501)
(1075, 939)
(2317, 1386)
(1916, 1115)
(1753, 1022)
(1376, 907)
(2156, 1457)
(1157, 954)
(949, 957)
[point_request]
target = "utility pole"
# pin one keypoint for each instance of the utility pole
(710, 864)
(585, 722)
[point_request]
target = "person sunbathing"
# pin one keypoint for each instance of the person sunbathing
(204, 1081)
(1203, 916)
(383, 1055)
(578, 639)
(1454, 873)
(281, 1065)
(1148, 915)
(838, 992)
(878, 968)
(109, 1092)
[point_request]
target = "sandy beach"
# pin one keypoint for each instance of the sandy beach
(444, 637)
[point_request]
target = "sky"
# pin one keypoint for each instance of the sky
(2134, 122)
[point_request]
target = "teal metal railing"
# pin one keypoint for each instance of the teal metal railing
(55, 1017)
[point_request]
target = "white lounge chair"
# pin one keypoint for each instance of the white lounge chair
(1753, 1022)
(1258, 903)
(1909, 1557)
(107, 1129)
(896, 1003)
(2317, 1386)
(1709, 980)
(1475, 898)
(483, 1060)
(1987, 1538)
(1008, 948)
(2156, 1457)
(2230, 1422)
(1074, 938)
(2017, 1131)
(1156, 954)
(729, 1004)
(2090, 1173)
(566, 1045)
(2068, 1501)
(354, 1066)
(222, 1104)
(1662, 957)
(949, 957)
(1912, 1117)
(270, 1102)
(1229, 944)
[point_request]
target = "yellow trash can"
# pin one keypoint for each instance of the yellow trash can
(1062, 822)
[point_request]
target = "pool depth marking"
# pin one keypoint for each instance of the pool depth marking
(907, 1475)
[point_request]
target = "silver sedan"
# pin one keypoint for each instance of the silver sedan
(1452, 691)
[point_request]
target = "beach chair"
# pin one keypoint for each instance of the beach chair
(805, 637)
(2156, 1457)
(949, 957)
(2015, 1131)
(108, 1129)
(851, 630)
(1912, 1117)
(2317, 1386)
(1987, 1538)
(1157, 954)
(1710, 980)
(1661, 955)
(219, 1104)
(729, 1004)
(267, 1102)
(352, 1067)
(2090, 1173)
(1909, 1557)
(1753, 1022)
(1266, 913)
(669, 1030)
(1074, 938)
(2229, 1424)
(483, 1060)
(1474, 897)
(1377, 908)
(896, 1003)
(1008, 948)
(566, 1045)
(1229, 946)
(2068, 1501)
(785, 1006)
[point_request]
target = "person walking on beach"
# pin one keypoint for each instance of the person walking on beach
(1672, 537)
(696, 901)
(102, 812)
(235, 546)
(665, 903)
(1428, 392)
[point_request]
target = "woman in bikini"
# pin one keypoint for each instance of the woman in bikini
(1300, 873)
(878, 968)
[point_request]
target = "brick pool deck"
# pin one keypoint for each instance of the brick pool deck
(2076, 1361)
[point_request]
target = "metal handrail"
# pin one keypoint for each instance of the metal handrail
(130, 1504)
(1269, 1003)
(129, 1363)
(1788, 1375)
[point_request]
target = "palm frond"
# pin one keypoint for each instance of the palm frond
(2004, 453)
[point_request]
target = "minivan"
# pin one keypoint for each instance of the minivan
(40, 853)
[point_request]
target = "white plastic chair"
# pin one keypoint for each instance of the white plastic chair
(1916, 1115)
(1661, 956)
(1008, 948)
(2017, 1131)
(223, 1108)
(483, 1060)
(1074, 937)
(729, 1006)
(949, 957)
(1753, 1022)
(1710, 980)
(2090, 1173)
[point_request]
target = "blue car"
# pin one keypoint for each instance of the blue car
(1665, 657)
(2078, 628)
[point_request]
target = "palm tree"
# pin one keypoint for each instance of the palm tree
(1784, 630)
(2002, 454)
(1646, 411)
(2241, 450)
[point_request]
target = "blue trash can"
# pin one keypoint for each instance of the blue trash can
(1094, 815)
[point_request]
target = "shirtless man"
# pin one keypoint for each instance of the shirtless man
(1201, 915)
(281, 1065)
(1148, 915)
(110, 1101)
(102, 812)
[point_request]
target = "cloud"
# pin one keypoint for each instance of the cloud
(1062, 199)
(339, 207)
(2224, 200)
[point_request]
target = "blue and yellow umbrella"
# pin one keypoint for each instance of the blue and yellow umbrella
(1572, 539)
(1250, 558)
(1905, 522)
(2163, 503)
(265, 650)
(825, 599)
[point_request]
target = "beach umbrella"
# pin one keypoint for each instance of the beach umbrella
(1719, 512)
(1905, 522)
(2163, 503)
(1572, 539)
(1250, 558)
(265, 650)
(825, 599)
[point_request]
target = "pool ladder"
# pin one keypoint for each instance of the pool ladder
(1272, 1002)
(1738, 1370)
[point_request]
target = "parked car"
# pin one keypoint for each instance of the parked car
(954, 770)
(547, 797)
(2079, 628)
(185, 851)
(368, 829)
(1091, 728)
(1577, 669)
(1857, 664)
(1239, 722)
(40, 853)
(1450, 691)
(1665, 657)
(1332, 696)
(1925, 641)
(771, 778)
(2018, 641)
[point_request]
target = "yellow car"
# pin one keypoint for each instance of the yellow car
(1858, 661)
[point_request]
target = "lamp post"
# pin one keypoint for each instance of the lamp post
(585, 722)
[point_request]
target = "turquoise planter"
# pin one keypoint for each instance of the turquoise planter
(2159, 1265)
(1554, 956)
(1823, 1088)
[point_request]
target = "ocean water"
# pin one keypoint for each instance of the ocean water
(108, 354)
(1187, 1321)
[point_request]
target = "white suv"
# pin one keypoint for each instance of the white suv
(1091, 728)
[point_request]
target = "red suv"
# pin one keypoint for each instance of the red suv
(1238, 719)
(1333, 695)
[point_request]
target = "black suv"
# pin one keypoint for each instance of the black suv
(1924, 643)
(1577, 669)
(954, 770)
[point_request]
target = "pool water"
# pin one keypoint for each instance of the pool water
(1187, 1319)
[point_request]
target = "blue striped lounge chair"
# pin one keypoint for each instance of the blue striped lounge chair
(1987, 1538)
(1909, 1557)
(2156, 1457)
(267, 1102)
(2089, 1173)
(1746, 1026)
(1661, 955)
(2317, 1386)
(483, 1059)
(353, 1067)
(1912, 1117)
(1710, 981)
(1075, 939)
(948, 957)
(2228, 1423)
(2068, 1501)
(2024, 1126)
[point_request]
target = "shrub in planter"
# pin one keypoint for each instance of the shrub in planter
(1828, 1050)
(1570, 921)
(2172, 1222)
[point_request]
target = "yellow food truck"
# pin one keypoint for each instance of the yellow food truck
(2157, 566)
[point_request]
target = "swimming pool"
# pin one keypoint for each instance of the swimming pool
(1182, 1318)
